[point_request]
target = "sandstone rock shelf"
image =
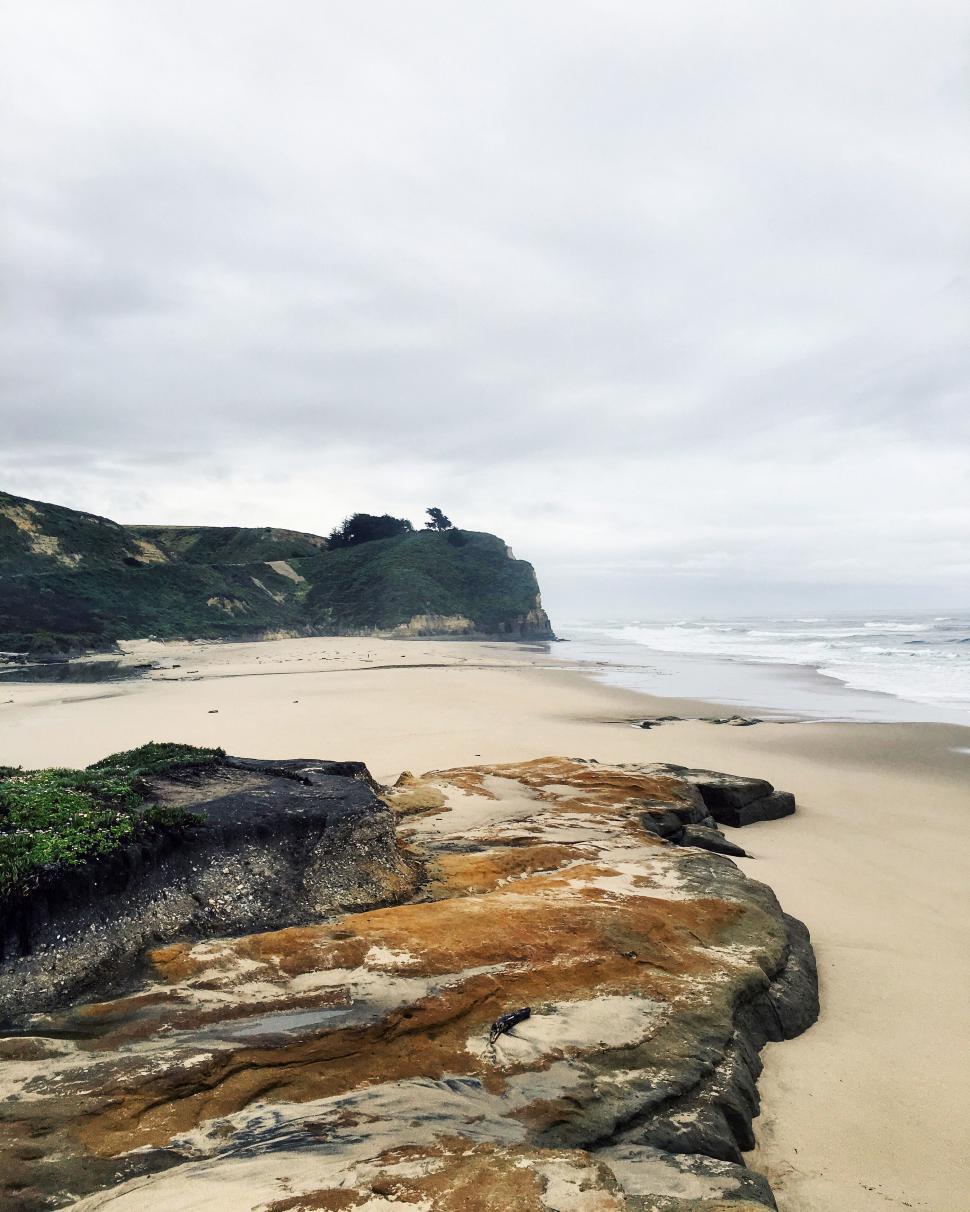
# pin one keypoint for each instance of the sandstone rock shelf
(346, 1063)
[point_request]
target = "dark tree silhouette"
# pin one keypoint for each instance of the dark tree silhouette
(437, 520)
(365, 528)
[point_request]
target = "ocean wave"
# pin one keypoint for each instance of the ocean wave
(940, 685)
(918, 659)
(896, 626)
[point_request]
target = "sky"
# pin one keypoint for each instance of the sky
(674, 297)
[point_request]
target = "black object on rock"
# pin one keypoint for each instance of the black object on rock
(506, 1022)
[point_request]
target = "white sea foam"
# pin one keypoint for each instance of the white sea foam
(924, 659)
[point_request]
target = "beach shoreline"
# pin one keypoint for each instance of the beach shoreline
(874, 861)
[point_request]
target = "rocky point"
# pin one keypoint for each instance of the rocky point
(381, 1059)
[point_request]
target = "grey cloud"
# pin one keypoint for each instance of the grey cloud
(585, 273)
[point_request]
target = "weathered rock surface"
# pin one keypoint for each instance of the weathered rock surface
(282, 842)
(733, 799)
(347, 1064)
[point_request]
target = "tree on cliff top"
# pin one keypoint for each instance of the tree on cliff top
(365, 528)
(437, 520)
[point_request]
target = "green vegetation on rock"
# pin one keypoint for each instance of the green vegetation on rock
(62, 816)
(159, 757)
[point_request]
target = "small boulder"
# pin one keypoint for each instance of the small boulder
(711, 839)
(733, 799)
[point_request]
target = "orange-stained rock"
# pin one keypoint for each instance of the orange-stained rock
(351, 1058)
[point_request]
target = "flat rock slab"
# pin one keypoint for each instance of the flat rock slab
(347, 1063)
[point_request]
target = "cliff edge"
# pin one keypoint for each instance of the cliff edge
(71, 581)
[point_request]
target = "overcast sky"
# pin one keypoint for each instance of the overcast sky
(673, 296)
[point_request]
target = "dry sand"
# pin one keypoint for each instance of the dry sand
(867, 1111)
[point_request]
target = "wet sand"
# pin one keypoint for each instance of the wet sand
(869, 1109)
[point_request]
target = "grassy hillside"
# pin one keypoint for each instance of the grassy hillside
(230, 544)
(71, 581)
(37, 537)
(67, 611)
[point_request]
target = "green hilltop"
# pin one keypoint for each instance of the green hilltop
(71, 581)
(229, 544)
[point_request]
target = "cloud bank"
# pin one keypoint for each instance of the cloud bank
(674, 297)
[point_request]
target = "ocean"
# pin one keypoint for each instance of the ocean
(872, 667)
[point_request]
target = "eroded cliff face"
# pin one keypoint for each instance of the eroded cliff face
(349, 1065)
(532, 625)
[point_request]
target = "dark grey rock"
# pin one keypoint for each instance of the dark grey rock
(735, 721)
(714, 1118)
(282, 843)
(666, 824)
(768, 808)
(733, 799)
(711, 839)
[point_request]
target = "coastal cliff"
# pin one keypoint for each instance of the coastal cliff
(71, 581)
(524, 986)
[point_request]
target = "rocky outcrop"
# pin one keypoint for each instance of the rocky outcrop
(733, 799)
(277, 843)
(733, 721)
(532, 625)
(350, 1063)
(433, 625)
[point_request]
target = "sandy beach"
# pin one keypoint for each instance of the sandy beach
(863, 1112)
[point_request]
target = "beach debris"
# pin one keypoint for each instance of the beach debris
(505, 1022)
(213, 711)
(735, 721)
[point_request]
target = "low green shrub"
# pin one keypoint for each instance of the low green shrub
(66, 816)
(159, 757)
(171, 816)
